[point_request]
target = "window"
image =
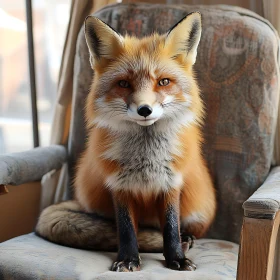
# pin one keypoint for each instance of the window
(50, 19)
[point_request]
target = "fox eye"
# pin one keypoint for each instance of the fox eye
(124, 84)
(164, 82)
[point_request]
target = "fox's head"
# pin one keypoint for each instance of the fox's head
(143, 82)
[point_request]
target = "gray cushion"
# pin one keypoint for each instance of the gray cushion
(29, 166)
(31, 257)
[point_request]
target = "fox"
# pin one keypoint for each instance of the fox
(142, 183)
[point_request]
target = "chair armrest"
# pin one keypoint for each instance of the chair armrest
(24, 167)
(257, 248)
(259, 230)
(265, 202)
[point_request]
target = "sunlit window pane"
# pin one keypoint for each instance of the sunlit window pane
(50, 19)
(15, 108)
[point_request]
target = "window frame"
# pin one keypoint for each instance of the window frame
(32, 73)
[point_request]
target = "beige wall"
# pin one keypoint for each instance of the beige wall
(19, 210)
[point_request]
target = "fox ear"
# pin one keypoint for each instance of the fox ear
(183, 37)
(102, 40)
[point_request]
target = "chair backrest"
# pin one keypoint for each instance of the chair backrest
(238, 74)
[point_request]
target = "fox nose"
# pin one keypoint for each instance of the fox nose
(144, 110)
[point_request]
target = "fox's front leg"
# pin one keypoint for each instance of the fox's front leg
(128, 259)
(170, 224)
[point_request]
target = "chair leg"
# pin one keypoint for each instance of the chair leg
(257, 248)
(276, 266)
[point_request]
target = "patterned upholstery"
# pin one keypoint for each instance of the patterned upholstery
(237, 72)
(39, 259)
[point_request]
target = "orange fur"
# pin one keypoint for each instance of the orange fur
(197, 204)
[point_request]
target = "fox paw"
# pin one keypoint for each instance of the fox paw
(182, 264)
(187, 242)
(126, 266)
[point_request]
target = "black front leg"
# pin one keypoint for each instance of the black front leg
(128, 259)
(173, 251)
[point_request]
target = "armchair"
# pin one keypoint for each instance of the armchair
(237, 70)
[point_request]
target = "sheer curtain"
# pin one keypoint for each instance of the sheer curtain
(54, 182)
(271, 12)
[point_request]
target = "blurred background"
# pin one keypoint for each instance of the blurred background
(50, 19)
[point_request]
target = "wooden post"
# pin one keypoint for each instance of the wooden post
(257, 248)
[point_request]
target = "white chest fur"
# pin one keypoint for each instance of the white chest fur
(145, 159)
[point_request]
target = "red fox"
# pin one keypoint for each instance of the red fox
(143, 165)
